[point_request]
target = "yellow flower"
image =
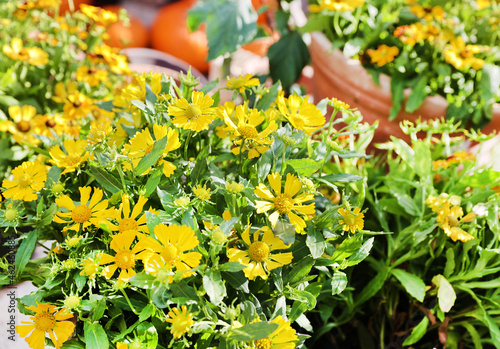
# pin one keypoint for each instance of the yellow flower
(99, 130)
(202, 193)
(302, 114)
(194, 116)
(181, 321)
(131, 220)
(92, 76)
(338, 104)
(450, 217)
(482, 4)
(99, 15)
(243, 130)
(234, 187)
(37, 56)
(16, 50)
(435, 203)
(76, 104)
(284, 337)
(142, 144)
(91, 210)
(284, 203)
(171, 244)
(259, 253)
(336, 5)
(51, 126)
(383, 54)
(352, 220)
(90, 267)
(124, 257)
(428, 13)
(76, 154)
(23, 126)
(28, 178)
(47, 319)
(411, 34)
(240, 83)
(461, 56)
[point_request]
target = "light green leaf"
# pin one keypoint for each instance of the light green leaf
(147, 334)
(347, 248)
(418, 332)
(339, 282)
(105, 179)
(95, 336)
(214, 286)
(305, 167)
(446, 293)
(450, 262)
(232, 267)
(341, 177)
(142, 280)
(152, 220)
(153, 181)
(151, 158)
(362, 253)
(316, 242)
(253, 331)
(417, 95)
(412, 283)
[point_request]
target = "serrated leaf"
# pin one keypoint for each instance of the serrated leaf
(418, 332)
(151, 158)
(412, 283)
(287, 58)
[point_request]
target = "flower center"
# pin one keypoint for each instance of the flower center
(297, 121)
(125, 259)
(264, 343)
(90, 268)
(258, 251)
(73, 159)
(170, 254)
(25, 180)
(452, 221)
(248, 131)
(23, 126)
(81, 214)
(193, 112)
(283, 203)
(350, 219)
(127, 224)
(45, 322)
(148, 149)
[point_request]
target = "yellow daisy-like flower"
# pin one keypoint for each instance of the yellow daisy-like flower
(259, 253)
(284, 337)
(37, 56)
(383, 54)
(99, 15)
(336, 5)
(90, 267)
(131, 220)
(171, 244)
(411, 34)
(428, 13)
(435, 203)
(449, 219)
(91, 75)
(76, 104)
(23, 126)
(76, 155)
(90, 211)
(194, 116)
(461, 56)
(125, 256)
(352, 220)
(47, 319)
(100, 130)
(142, 144)
(338, 104)
(16, 50)
(243, 129)
(284, 203)
(181, 321)
(240, 83)
(302, 114)
(202, 193)
(28, 179)
(50, 126)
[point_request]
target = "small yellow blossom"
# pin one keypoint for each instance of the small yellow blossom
(383, 54)
(352, 220)
(181, 321)
(240, 83)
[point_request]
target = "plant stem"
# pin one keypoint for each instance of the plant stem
(186, 145)
(128, 301)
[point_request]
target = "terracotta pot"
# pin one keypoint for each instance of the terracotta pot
(347, 80)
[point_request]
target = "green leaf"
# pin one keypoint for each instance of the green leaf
(423, 160)
(417, 95)
(73, 344)
(237, 280)
(341, 177)
(265, 102)
(412, 283)
(362, 253)
(161, 295)
(142, 280)
(147, 334)
(347, 248)
(303, 296)
(230, 24)
(152, 220)
(298, 308)
(105, 179)
(210, 85)
(407, 204)
(397, 91)
(287, 58)
(95, 336)
(153, 182)
(450, 263)
(232, 267)
(339, 282)
(25, 251)
(476, 338)
(446, 293)
(47, 215)
(98, 307)
(253, 331)
(418, 332)
(316, 242)
(301, 269)
(372, 287)
(146, 312)
(151, 158)
(305, 167)
(214, 286)
(183, 290)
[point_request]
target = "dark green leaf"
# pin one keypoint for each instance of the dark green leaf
(105, 179)
(372, 287)
(301, 269)
(237, 280)
(417, 95)
(183, 290)
(397, 91)
(151, 158)
(25, 251)
(265, 102)
(287, 58)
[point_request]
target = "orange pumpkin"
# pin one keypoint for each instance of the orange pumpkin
(121, 36)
